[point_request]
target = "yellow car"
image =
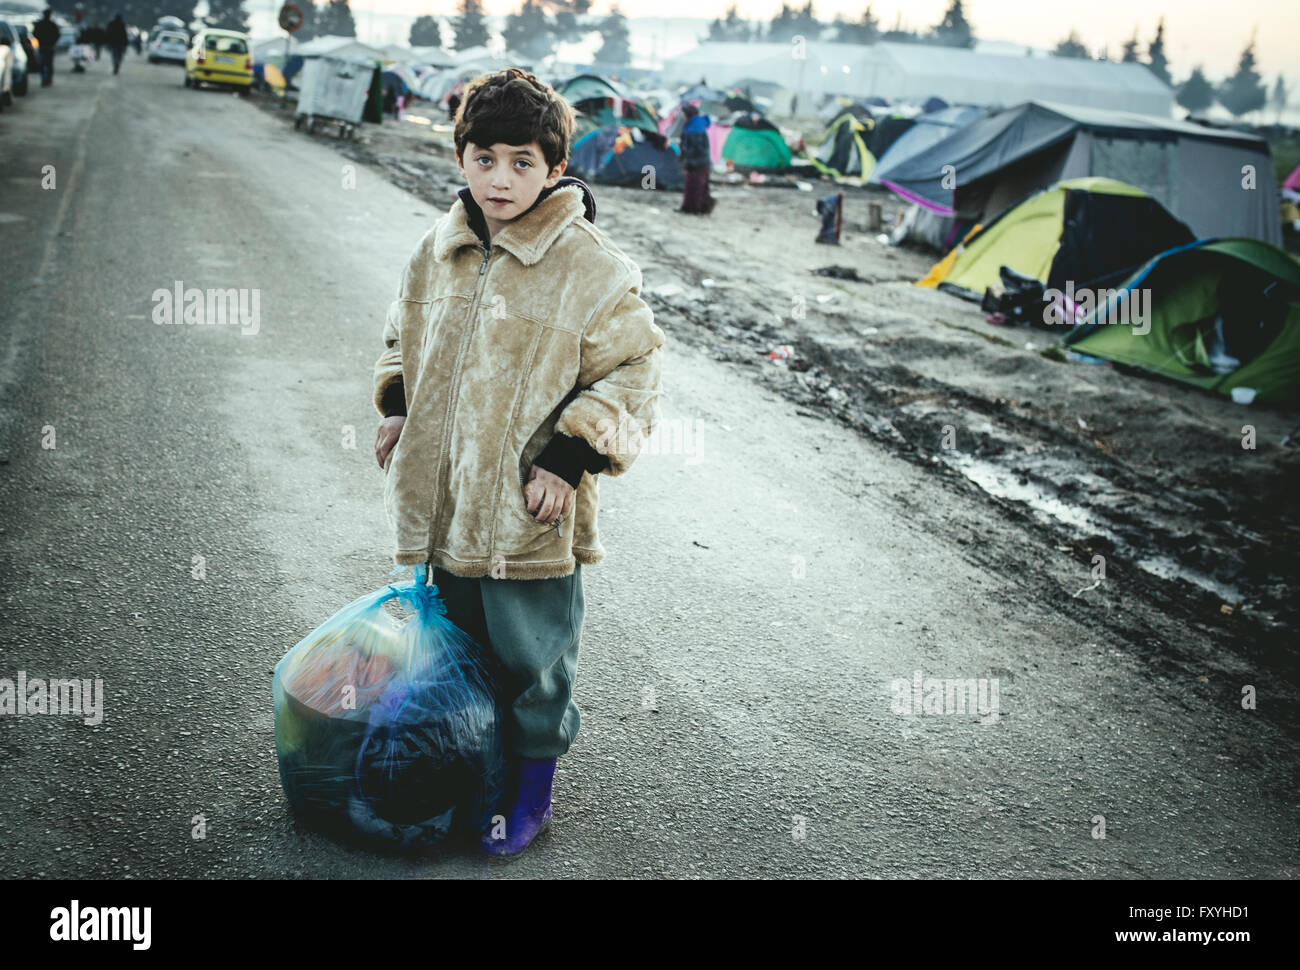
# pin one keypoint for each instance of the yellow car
(219, 57)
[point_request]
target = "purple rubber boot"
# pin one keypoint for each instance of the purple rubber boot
(530, 813)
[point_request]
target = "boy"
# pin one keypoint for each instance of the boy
(521, 363)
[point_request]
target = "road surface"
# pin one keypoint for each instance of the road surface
(764, 589)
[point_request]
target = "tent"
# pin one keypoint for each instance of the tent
(843, 150)
(1221, 313)
(618, 154)
(1292, 183)
(753, 142)
(607, 103)
(885, 132)
(1194, 172)
(1091, 232)
(911, 73)
(336, 46)
(926, 130)
(671, 125)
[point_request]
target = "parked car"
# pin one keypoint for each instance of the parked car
(18, 57)
(220, 57)
(168, 45)
(6, 77)
(29, 48)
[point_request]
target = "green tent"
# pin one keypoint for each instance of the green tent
(1221, 313)
(755, 143)
(1092, 231)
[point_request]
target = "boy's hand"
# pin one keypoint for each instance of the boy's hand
(548, 495)
(390, 429)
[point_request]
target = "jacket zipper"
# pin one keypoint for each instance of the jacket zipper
(451, 405)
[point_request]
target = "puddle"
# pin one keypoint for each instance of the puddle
(1004, 483)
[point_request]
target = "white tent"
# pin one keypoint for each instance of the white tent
(914, 72)
(332, 46)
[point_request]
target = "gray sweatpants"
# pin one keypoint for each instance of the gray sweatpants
(531, 627)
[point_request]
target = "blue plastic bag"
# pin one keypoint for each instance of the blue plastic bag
(389, 731)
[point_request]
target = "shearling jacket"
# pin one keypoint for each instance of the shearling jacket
(539, 339)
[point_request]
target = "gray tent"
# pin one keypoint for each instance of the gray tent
(1199, 174)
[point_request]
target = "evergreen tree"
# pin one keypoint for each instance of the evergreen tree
(569, 23)
(1244, 92)
(468, 28)
(1278, 99)
(1072, 46)
(863, 31)
(1131, 50)
(806, 24)
(335, 19)
(308, 30)
(1156, 59)
(527, 32)
(731, 28)
(899, 34)
(425, 32)
(1196, 94)
(782, 26)
(954, 30)
(226, 14)
(615, 48)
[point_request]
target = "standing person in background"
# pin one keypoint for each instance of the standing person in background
(46, 32)
(117, 40)
(696, 161)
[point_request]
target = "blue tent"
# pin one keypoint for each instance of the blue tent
(929, 129)
(618, 154)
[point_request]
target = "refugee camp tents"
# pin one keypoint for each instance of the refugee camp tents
(1196, 173)
(915, 72)
(843, 151)
(885, 132)
(607, 103)
(348, 48)
(924, 132)
(1222, 314)
(1292, 184)
(1091, 232)
(754, 143)
(618, 155)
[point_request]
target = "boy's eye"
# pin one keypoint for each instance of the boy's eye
(526, 163)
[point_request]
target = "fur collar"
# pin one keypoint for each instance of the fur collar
(529, 235)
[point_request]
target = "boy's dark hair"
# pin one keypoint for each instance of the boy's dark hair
(514, 107)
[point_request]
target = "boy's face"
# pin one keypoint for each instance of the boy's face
(505, 180)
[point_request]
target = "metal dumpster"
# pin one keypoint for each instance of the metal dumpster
(334, 89)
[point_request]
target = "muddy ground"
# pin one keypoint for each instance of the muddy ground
(1199, 536)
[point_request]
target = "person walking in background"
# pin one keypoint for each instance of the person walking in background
(117, 40)
(696, 162)
(46, 32)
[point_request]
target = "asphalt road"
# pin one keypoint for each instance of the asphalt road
(759, 599)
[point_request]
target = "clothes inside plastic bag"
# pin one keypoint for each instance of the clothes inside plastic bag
(390, 731)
